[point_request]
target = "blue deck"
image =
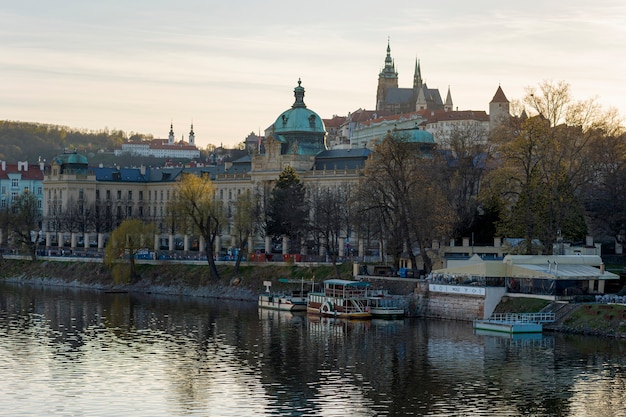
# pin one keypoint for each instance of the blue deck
(515, 322)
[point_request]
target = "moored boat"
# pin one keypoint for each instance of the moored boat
(385, 308)
(340, 298)
(284, 302)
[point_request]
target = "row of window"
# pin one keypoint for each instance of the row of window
(164, 194)
(15, 184)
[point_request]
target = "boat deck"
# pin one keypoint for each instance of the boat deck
(515, 322)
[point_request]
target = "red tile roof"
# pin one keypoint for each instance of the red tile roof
(33, 173)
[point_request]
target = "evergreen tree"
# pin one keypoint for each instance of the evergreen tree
(288, 211)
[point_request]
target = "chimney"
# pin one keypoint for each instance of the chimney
(4, 165)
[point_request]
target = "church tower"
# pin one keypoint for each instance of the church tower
(192, 136)
(170, 139)
(498, 109)
(387, 78)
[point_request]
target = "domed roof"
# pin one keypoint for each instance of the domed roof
(298, 118)
(71, 158)
(300, 130)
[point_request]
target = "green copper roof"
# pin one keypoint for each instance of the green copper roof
(71, 158)
(298, 118)
(299, 130)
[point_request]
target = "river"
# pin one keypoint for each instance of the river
(69, 352)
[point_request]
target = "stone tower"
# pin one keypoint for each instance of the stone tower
(498, 109)
(387, 78)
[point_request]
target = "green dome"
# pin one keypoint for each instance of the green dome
(71, 158)
(72, 162)
(300, 130)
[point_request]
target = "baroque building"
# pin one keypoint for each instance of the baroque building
(162, 148)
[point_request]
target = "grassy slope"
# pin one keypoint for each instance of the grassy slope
(190, 277)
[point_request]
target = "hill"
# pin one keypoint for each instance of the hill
(34, 142)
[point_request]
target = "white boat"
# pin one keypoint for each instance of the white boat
(284, 302)
(385, 308)
(340, 298)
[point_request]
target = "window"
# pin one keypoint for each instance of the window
(39, 190)
(130, 195)
(97, 195)
(108, 194)
(140, 195)
(15, 183)
(81, 194)
(119, 194)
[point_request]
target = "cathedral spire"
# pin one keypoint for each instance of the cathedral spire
(448, 106)
(417, 75)
(389, 70)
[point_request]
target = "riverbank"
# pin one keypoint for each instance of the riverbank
(167, 278)
(607, 320)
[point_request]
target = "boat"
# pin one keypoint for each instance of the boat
(340, 298)
(284, 302)
(296, 300)
(385, 307)
(514, 322)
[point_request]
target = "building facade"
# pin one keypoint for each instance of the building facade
(162, 148)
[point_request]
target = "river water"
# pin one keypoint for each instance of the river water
(68, 352)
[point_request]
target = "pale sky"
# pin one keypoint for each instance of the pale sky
(230, 66)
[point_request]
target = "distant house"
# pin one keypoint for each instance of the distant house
(162, 148)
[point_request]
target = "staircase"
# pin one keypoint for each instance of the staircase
(561, 312)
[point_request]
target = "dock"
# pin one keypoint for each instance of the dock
(515, 322)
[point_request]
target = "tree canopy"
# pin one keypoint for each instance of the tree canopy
(125, 243)
(195, 205)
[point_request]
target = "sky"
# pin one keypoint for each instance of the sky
(230, 67)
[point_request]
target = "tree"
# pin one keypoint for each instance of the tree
(126, 241)
(195, 201)
(25, 221)
(288, 212)
(545, 162)
(460, 169)
(329, 218)
(401, 186)
(244, 222)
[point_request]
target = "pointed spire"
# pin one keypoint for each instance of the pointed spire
(417, 75)
(448, 104)
(298, 92)
(389, 71)
(499, 97)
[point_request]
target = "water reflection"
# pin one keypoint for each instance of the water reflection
(73, 352)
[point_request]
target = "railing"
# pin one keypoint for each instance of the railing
(523, 317)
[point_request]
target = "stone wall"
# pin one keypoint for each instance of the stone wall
(447, 306)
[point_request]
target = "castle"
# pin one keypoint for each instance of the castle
(395, 100)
